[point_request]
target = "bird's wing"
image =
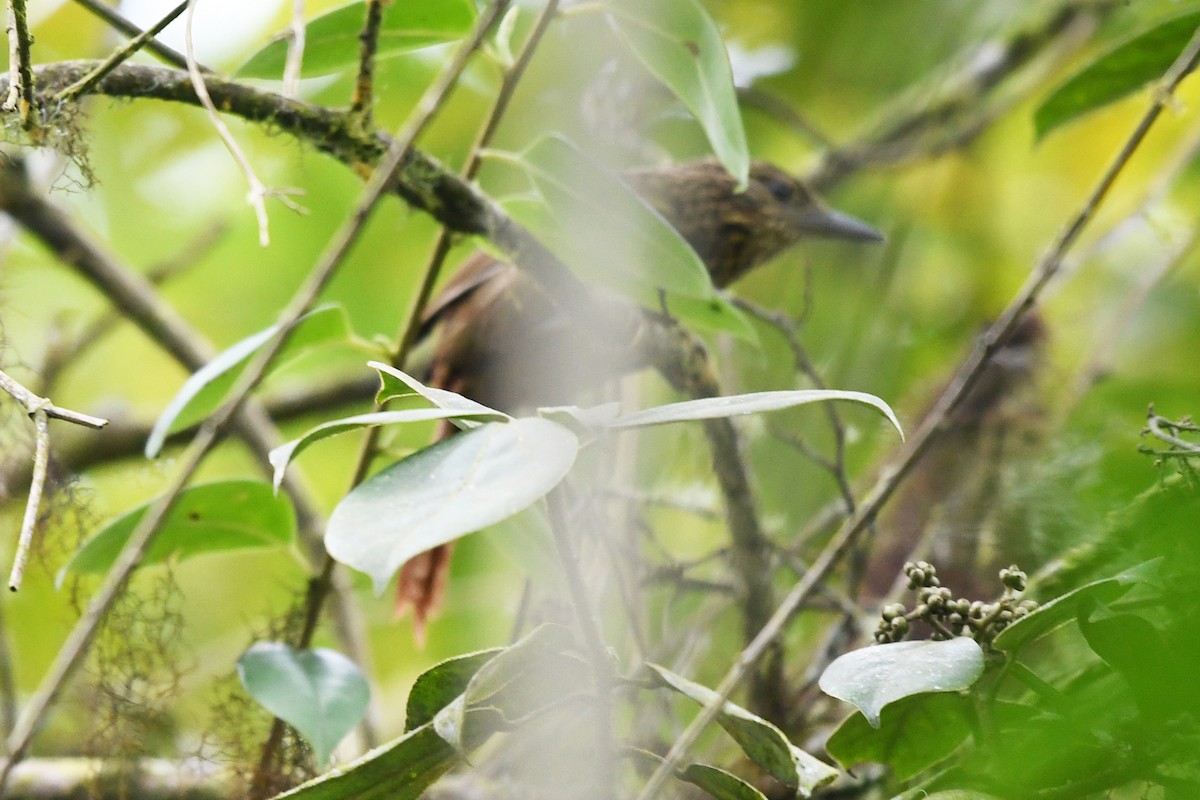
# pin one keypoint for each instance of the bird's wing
(476, 271)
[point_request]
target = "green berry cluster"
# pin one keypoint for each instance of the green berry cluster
(951, 616)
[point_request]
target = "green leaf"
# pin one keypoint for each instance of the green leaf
(761, 741)
(439, 685)
(681, 46)
(207, 518)
(875, 676)
(1066, 608)
(395, 384)
(719, 783)
(331, 41)
(914, 734)
(457, 486)
(752, 403)
(320, 693)
(1135, 61)
(206, 389)
(606, 231)
(282, 456)
(540, 671)
(399, 770)
(717, 313)
(1131, 645)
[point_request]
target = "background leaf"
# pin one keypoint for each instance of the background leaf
(604, 231)
(320, 693)
(1066, 608)
(331, 39)
(207, 518)
(1131, 64)
(680, 44)
(203, 392)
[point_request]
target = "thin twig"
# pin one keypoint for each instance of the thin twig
(368, 40)
(295, 52)
(108, 14)
(422, 182)
(126, 438)
(8, 683)
(33, 403)
(683, 361)
(41, 464)
(958, 388)
(136, 298)
(433, 100)
(72, 653)
(20, 89)
(1158, 428)
(119, 56)
(258, 192)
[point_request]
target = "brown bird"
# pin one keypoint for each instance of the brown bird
(506, 343)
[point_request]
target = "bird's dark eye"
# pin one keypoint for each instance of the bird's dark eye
(783, 190)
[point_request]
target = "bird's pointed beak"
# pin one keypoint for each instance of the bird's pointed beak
(820, 221)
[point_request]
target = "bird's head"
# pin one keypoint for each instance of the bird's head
(734, 231)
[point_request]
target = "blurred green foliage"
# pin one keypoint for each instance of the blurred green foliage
(965, 228)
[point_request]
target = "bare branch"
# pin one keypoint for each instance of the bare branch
(956, 113)
(41, 463)
(119, 56)
(34, 404)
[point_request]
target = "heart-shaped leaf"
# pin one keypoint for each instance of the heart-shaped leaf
(331, 42)
(457, 486)
(680, 44)
(206, 389)
(404, 768)
(874, 676)
(207, 518)
(320, 693)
